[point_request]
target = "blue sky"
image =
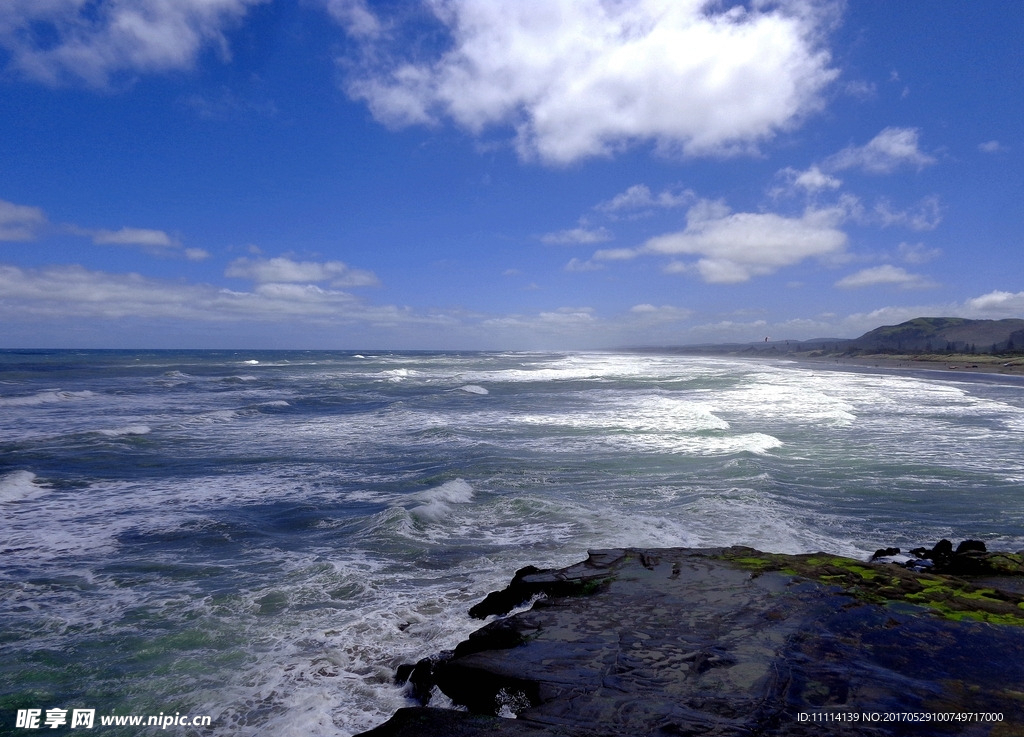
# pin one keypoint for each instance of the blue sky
(508, 174)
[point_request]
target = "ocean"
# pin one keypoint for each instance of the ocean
(263, 537)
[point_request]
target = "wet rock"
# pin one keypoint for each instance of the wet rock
(733, 641)
(419, 678)
(971, 558)
(971, 546)
(885, 553)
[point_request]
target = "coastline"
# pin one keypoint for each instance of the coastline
(1008, 371)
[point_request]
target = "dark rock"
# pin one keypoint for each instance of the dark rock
(419, 679)
(942, 551)
(885, 553)
(971, 558)
(581, 579)
(731, 642)
(504, 601)
(971, 546)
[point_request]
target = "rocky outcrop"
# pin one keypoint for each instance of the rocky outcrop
(736, 642)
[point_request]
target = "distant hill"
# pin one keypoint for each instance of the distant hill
(943, 335)
(922, 335)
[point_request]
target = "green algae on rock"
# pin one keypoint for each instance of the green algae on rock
(952, 597)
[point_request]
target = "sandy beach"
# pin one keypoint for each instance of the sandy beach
(990, 366)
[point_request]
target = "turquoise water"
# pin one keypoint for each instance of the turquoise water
(264, 536)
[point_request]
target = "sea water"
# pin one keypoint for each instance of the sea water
(263, 537)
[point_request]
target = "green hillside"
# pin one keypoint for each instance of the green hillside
(944, 334)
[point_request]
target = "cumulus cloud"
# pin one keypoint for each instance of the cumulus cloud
(640, 197)
(891, 149)
(282, 270)
(887, 274)
(57, 41)
(584, 78)
(577, 236)
(811, 181)
(996, 304)
(20, 222)
(734, 247)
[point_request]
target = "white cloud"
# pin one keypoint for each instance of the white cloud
(996, 304)
(811, 181)
(917, 253)
(640, 197)
(55, 41)
(154, 242)
(282, 270)
(354, 15)
(925, 215)
(615, 254)
(891, 149)
(734, 247)
(861, 89)
(583, 78)
(664, 313)
(992, 306)
(569, 316)
(23, 223)
(991, 147)
(577, 236)
(20, 222)
(73, 292)
(887, 274)
(576, 264)
(155, 239)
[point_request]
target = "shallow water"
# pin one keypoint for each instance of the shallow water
(264, 536)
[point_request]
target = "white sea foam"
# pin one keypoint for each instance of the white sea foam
(251, 362)
(398, 375)
(127, 430)
(473, 389)
(49, 396)
(357, 575)
(437, 503)
(663, 415)
(218, 415)
(19, 486)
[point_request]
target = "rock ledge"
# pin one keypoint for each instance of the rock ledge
(734, 641)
